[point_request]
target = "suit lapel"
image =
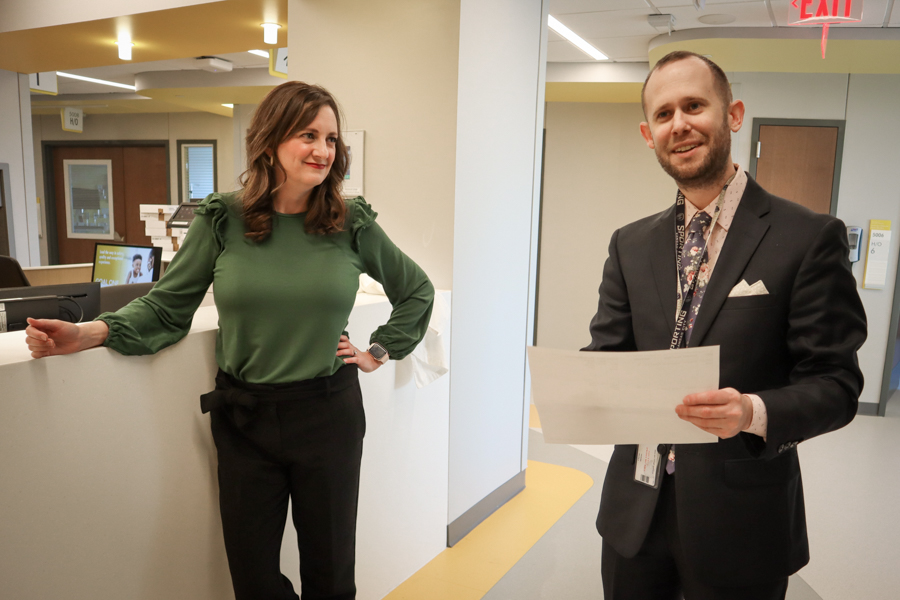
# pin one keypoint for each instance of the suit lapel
(746, 232)
(662, 260)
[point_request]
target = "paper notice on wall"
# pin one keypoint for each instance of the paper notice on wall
(877, 255)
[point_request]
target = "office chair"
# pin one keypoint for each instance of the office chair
(11, 274)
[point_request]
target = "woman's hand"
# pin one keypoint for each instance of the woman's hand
(365, 361)
(49, 337)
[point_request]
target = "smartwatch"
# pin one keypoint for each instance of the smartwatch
(378, 352)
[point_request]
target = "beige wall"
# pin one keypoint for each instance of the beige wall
(598, 176)
(152, 126)
(393, 68)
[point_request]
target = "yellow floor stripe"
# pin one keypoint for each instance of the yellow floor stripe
(534, 420)
(472, 567)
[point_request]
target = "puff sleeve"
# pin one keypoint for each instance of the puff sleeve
(164, 316)
(407, 287)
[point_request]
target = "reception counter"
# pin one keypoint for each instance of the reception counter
(108, 472)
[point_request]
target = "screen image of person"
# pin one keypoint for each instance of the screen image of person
(769, 282)
(137, 274)
(285, 254)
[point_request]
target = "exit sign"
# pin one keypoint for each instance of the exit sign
(819, 12)
(825, 13)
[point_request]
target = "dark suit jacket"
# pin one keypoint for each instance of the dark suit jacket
(740, 501)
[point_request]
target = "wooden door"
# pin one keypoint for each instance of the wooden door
(139, 176)
(798, 163)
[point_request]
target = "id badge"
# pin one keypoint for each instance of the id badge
(648, 465)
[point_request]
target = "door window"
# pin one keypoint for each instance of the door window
(89, 199)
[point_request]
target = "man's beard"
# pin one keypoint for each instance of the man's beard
(708, 171)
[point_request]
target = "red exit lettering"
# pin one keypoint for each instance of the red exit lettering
(824, 10)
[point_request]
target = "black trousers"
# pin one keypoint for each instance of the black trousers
(659, 570)
(301, 441)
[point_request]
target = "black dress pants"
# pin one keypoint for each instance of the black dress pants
(301, 441)
(659, 570)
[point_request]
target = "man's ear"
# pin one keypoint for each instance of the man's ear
(735, 115)
(648, 136)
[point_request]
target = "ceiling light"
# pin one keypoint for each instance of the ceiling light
(228, 105)
(100, 81)
(263, 53)
(665, 21)
(575, 39)
(125, 46)
(270, 32)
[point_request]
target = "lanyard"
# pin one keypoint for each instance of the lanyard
(684, 299)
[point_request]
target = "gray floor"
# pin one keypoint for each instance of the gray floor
(852, 492)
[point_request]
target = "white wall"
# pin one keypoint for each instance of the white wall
(497, 123)
(581, 187)
(868, 191)
(394, 73)
(16, 150)
(599, 175)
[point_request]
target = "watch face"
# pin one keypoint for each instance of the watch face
(377, 351)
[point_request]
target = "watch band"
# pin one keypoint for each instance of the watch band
(378, 352)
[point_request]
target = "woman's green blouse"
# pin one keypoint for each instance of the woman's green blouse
(282, 303)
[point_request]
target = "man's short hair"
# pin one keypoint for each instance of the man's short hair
(720, 80)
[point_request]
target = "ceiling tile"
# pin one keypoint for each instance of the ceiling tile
(561, 7)
(747, 15)
(610, 24)
(565, 52)
(625, 48)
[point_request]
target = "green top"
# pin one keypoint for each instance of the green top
(282, 303)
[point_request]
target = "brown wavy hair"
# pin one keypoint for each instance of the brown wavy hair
(287, 109)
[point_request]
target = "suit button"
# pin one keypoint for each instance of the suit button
(661, 448)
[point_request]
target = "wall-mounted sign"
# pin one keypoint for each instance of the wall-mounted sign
(43, 83)
(824, 13)
(877, 255)
(72, 119)
(278, 62)
(353, 179)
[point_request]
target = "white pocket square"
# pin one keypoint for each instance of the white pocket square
(744, 289)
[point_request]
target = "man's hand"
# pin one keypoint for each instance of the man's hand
(724, 413)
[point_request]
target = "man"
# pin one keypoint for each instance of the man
(767, 281)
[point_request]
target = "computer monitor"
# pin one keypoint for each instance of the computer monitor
(117, 264)
(72, 302)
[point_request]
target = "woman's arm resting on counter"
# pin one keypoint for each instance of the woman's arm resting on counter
(49, 337)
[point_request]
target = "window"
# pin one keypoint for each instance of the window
(197, 169)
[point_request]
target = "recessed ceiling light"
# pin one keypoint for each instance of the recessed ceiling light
(263, 53)
(575, 39)
(228, 105)
(717, 19)
(270, 32)
(125, 46)
(100, 81)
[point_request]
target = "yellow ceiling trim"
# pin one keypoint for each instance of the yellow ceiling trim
(199, 30)
(792, 55)
(593, 92)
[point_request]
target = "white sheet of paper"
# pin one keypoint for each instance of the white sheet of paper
(620, 397)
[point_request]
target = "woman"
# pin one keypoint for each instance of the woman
(285, 254)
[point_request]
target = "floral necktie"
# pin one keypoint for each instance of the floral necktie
(693, 245)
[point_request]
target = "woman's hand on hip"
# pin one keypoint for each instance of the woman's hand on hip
(354, 356)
